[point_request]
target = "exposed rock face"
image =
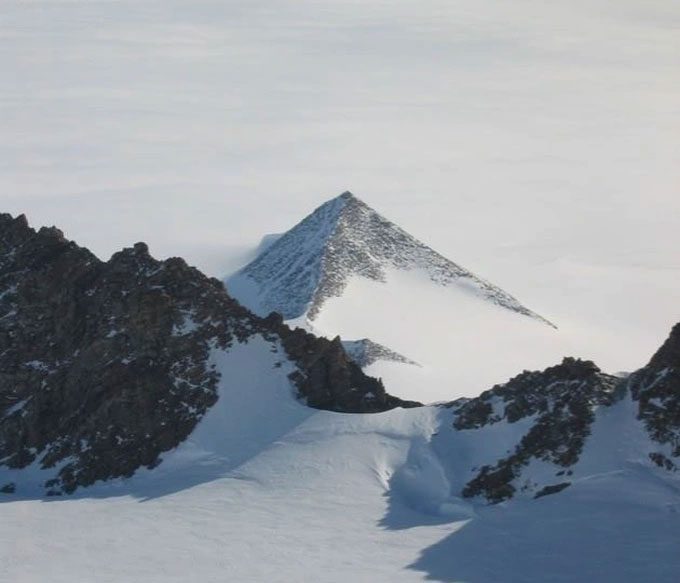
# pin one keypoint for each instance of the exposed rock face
(344, 237)
(538, 392)
(104, 365)
(656, 388)
(328, 378)
(561, 399)
(559, 406)
(365, 352)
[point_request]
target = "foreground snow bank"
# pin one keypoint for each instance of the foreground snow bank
(266, 489)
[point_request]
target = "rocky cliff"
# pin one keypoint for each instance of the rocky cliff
(656, 390)
(556, 411)
(105, 365)
(560, 401)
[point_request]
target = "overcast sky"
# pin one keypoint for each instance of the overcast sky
(537, 143)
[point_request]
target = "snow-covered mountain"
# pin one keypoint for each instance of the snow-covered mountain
(300, 271)
(106, 365)
(562, 475)
(346, 270)
(142, 380)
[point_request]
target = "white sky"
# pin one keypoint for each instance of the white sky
(537, 143)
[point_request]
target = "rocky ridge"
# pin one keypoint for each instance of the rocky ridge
(656, 389)
(561, 400)
(559, 407)
(344, 237)
(365, 352)
(105, 365)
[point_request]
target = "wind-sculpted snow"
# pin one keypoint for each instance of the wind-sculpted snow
(343, 238)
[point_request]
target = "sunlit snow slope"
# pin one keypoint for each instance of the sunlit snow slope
(347, 270)
(463, 345)
(266, 489)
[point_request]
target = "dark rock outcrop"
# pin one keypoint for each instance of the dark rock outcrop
(365, 352)
(553, 489)
(105, 365)
(656, 388)
(559, 405)
(561, 399)
(327, 378)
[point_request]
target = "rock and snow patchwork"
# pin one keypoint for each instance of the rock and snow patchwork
(545, 419)
(202, 410)
(344, 238)
(551, 429)
(371, 498)
(464, 345)
(346, 270)
(365, 352)
(116, 355)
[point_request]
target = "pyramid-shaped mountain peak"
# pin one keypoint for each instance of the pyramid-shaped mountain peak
(342, 239)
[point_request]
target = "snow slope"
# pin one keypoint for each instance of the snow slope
(269, 490)
(347, 270)
(464, 345)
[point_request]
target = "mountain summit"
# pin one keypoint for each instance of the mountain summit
(343, 238)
